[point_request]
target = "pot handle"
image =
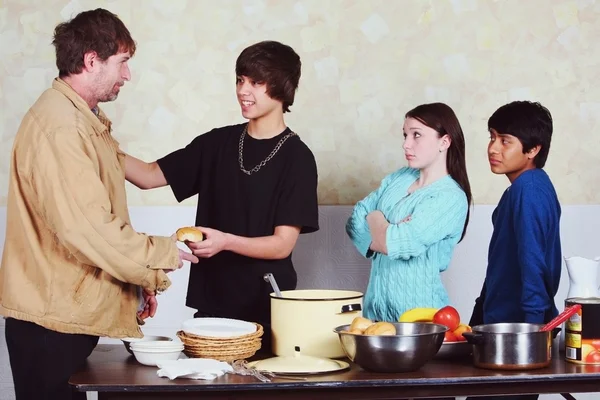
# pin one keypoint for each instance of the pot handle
(555, 332)
(348, 308)
(473, 338)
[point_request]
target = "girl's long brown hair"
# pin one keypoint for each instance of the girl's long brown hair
(443, 120)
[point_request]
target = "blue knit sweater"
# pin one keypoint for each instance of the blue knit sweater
(524, 259)
(418, 250)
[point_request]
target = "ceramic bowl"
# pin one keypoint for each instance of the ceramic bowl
(127, 341)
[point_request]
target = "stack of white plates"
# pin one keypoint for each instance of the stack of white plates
(152, 352)
(218, 327)
(221, 339)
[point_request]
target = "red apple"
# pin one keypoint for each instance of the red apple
(447, 316)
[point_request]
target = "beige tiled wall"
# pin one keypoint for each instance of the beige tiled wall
(365, 63)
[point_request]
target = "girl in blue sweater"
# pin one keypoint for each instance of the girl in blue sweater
(410, 225)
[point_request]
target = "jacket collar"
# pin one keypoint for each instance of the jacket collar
(100, 122)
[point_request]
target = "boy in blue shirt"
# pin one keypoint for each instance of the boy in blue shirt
(524, 257)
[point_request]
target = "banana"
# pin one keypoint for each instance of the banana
(420, 314)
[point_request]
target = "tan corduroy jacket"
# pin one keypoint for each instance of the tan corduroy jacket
(71, 260)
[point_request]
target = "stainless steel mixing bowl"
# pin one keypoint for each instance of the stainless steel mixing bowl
(414, 344)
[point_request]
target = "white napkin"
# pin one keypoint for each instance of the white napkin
(193, 368)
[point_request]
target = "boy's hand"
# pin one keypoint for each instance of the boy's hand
(214, 242)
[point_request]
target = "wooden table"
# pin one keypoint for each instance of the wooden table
(115, 374)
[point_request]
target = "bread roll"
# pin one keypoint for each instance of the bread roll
(381, 329)
(360, 323)
(189, 234)
(355, 331)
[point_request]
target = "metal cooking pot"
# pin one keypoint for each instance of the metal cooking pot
(511, 346)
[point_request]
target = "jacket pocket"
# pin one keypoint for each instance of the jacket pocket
(86, 278)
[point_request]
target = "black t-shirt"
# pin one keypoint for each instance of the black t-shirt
(282, 192)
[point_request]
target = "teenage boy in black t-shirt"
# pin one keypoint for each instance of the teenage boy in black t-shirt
(257, 187)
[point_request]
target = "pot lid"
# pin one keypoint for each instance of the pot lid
(317, 295)
(299, 364)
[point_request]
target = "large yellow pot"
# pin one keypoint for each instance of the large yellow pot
(303, 320)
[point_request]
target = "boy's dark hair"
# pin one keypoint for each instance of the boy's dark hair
(529, 122)
(96, 30)
(275, 64)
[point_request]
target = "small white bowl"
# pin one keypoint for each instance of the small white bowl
(153, 357)
(127, 341)
(156, 345)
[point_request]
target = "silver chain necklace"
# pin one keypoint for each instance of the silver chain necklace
(266, 160)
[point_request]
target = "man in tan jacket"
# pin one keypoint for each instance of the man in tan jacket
(72, 263)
